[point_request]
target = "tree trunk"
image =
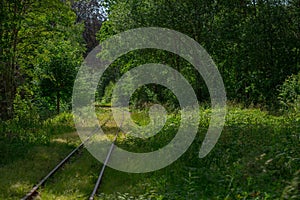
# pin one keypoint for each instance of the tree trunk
(58, 102)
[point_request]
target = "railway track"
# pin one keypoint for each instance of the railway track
(34, 191)
(97, 185)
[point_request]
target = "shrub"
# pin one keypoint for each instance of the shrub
(289, 93)
(61, 123)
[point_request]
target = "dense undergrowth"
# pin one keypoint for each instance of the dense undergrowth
(21, 134)
(256, 157)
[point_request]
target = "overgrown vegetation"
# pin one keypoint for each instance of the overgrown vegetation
(255, 45)
(257, 157)
(19, 135)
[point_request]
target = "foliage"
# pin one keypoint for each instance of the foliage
(62, 123)
(57, 67)
(289, 93)
(255, 44)
(292, 191)
(108, 93)
(20, 135)
(256, 158)
(32, 131)
(39, 40)
(26, 113)
(11, 16)
(92, 14)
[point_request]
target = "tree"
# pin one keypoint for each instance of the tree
(92, 14)
(26, 26)
(255, 43)
(57, 68)
(12, 13)
(54, 53)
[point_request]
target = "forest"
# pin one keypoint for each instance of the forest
(255, 46)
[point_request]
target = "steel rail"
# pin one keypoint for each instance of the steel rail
(102, 170)
(97, 185)
(33, 191)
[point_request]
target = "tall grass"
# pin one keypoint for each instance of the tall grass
(256, 157)
(18, 135)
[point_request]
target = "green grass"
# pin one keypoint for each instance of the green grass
(18, 176)
(256, 157)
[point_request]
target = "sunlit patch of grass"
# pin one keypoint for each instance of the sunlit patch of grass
(141, 117)
(71, 139)
(75, 180)
(18, 177)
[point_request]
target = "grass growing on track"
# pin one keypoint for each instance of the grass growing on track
(18, 176)
(257, 157)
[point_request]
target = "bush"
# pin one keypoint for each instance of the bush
(61, 123)
(108, 93)
(289, 93)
